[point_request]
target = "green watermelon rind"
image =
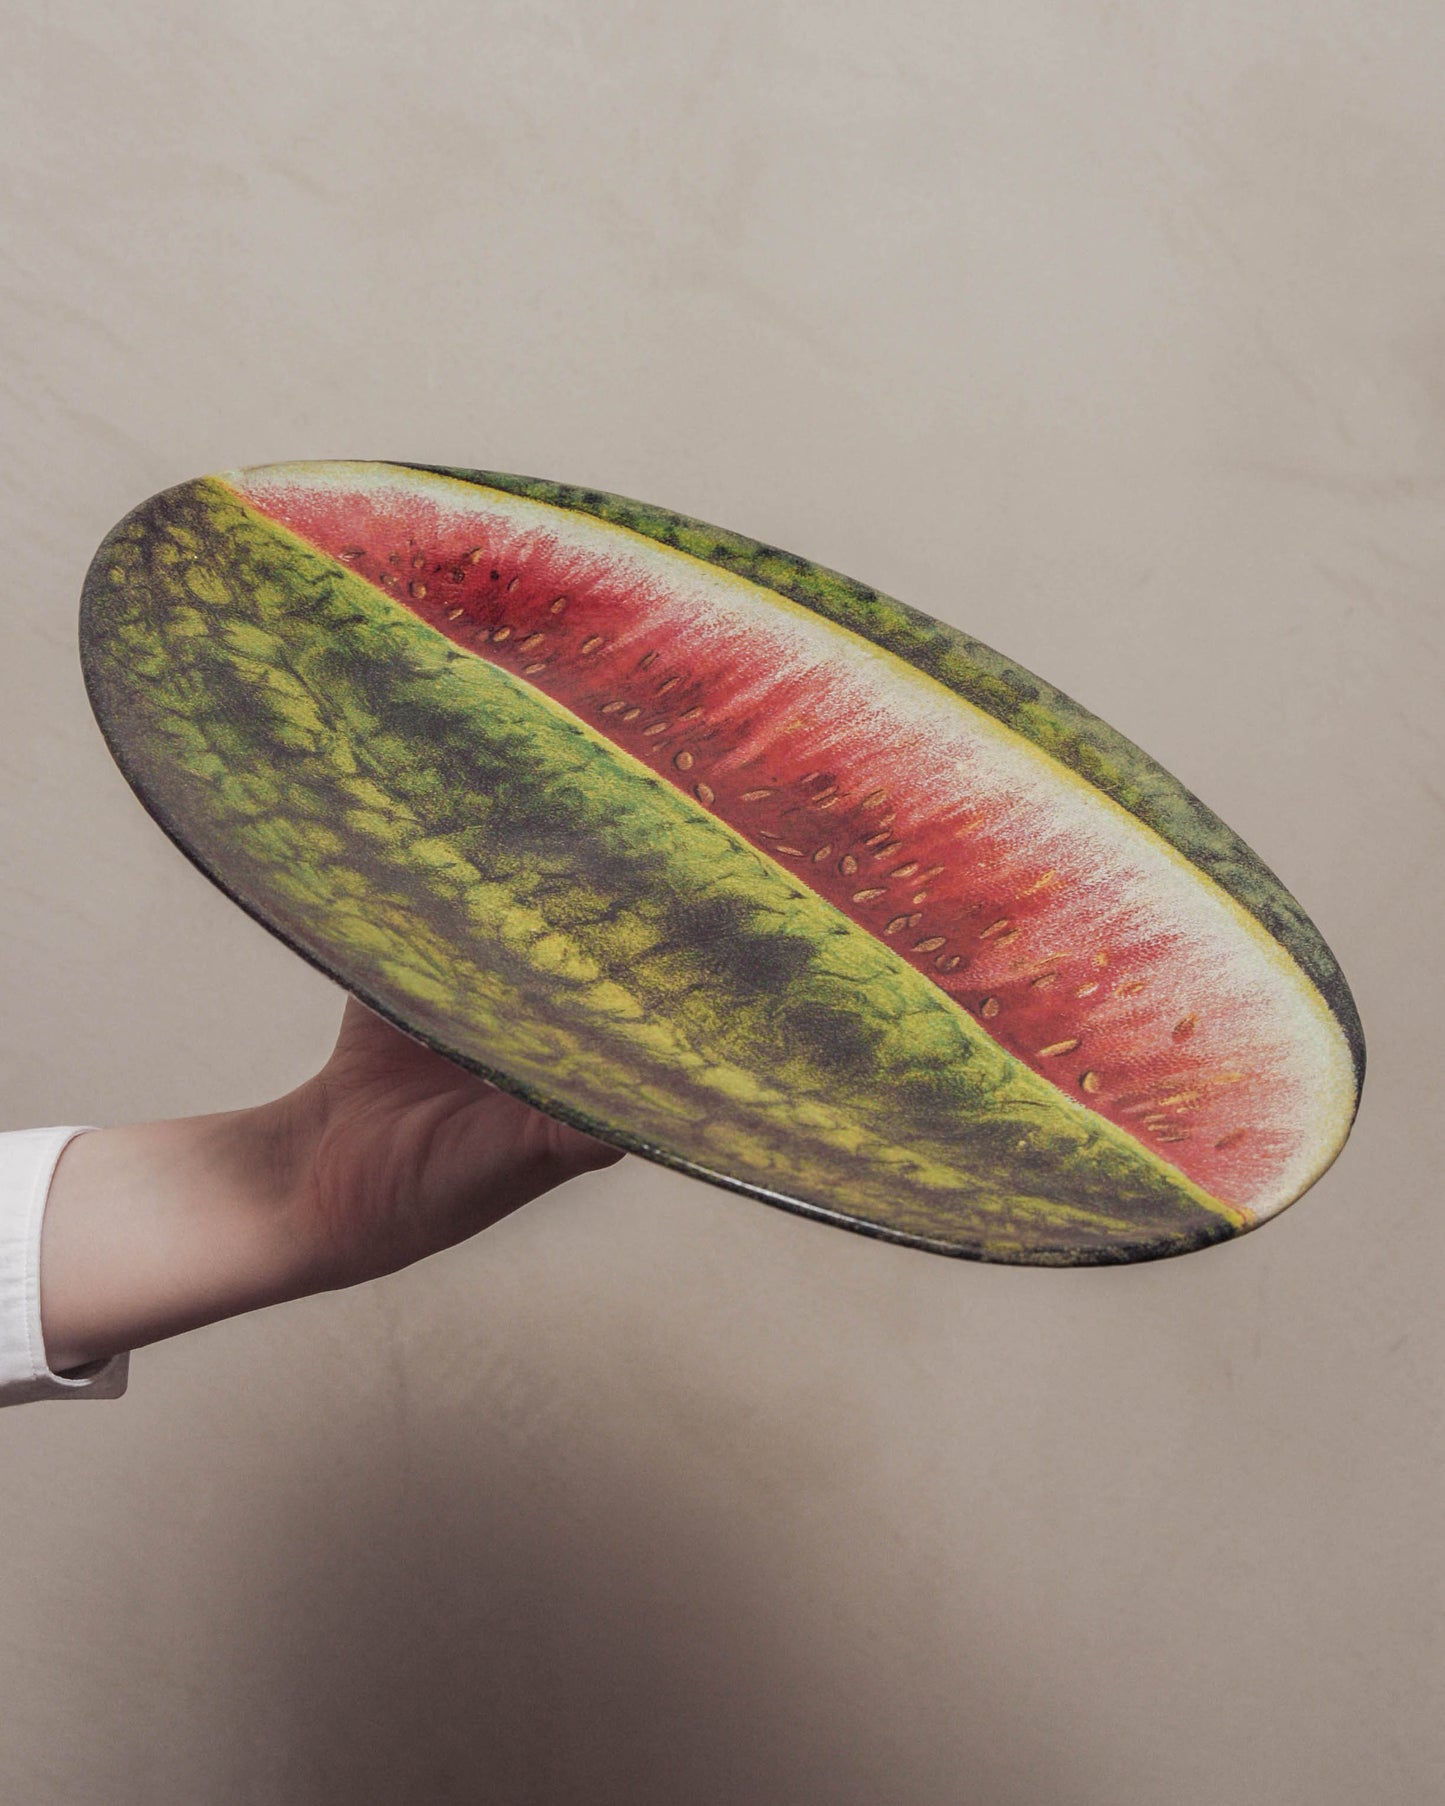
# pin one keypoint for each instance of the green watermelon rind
(1027, 704)
(223, 654)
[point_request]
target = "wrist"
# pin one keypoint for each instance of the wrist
(156, 1228)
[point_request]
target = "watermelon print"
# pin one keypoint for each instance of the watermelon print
(724, 858)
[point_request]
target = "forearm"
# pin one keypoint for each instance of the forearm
(157, 1228)
(387, 1155)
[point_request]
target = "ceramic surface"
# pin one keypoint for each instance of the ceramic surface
(724, 857)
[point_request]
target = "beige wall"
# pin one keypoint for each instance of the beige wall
(1112, 332)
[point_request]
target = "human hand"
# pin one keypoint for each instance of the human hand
(388, 1154)
(399, 1153)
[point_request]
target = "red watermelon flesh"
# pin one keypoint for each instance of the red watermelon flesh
(1081, 940)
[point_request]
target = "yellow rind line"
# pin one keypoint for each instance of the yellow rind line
(1239, 1215)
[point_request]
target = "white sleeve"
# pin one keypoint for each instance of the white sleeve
(27, 1160)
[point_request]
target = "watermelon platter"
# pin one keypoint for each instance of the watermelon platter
(727, 859)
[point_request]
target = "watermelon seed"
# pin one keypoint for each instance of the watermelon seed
(822, 852)
(537, 664)
(1101, 959)
(828, 802)
(657, 727)
(920, 896)
(592, 642)
(887, 852)
(1058, 1047)
(1038, 884)
(648, 658)
(875, 840)
(611, 708)
(496, 576)
(930, 945)
(932, 872)
(668, 683)
(532, 641)
(631, 714)
(897, 923)
(1089, 1081)
(690, 714)
(501, 633)
(476, 555)
(994, 928)
(906, 871)
(558, 605)
(796, 852)
(866, 896)
(948, 962)
(1232, 1139)
(683, 760)
(989, 1007)
(455, 614)
(1130, 987)
(1086, 990)
(1044, 980)
(1185, 1026)
(1172, 1135)
(352, 553)
(418, 561)
(393, 558)
(755, 796)
(874, 800)
(456, 574)
(704, 793)
(847, 865)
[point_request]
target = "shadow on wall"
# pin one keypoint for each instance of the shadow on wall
(516, 1588)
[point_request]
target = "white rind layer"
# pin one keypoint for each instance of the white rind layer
(1128, 885)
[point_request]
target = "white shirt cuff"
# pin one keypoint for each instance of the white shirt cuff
(28, 1159)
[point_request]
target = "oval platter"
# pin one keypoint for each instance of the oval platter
(725, 858)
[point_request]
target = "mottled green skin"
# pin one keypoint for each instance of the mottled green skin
(1052, 720)
(491, 873)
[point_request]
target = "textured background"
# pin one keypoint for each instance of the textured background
(1114, 333)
